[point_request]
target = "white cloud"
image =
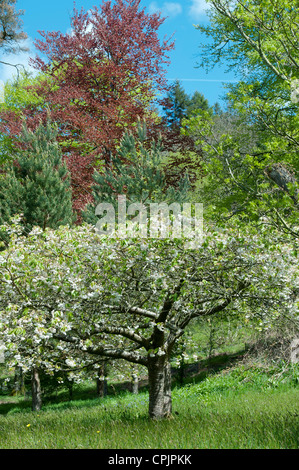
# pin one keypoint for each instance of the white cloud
(198, 8)
(170, 9)
(21, 59)
(153, 8)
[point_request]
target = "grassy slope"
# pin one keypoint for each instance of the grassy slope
(236, 408)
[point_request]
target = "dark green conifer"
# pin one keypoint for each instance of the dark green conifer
(136, 172)
(177, 103)
(37, 184)
(196, 103)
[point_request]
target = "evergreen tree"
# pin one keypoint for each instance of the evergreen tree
(177, 102)
(137, 173)
(217, 109)
(179, 105)
(197, 101)
(37, 184)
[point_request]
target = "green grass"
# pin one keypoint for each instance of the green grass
(238, 408)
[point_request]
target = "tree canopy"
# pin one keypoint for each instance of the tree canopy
(10, 27)
(74, 294)
(258, 41)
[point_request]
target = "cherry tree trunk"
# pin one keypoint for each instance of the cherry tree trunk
(159, 377)
(134, 380)
(167, 390)
(36, 390)
(135, 384)
(102, 382)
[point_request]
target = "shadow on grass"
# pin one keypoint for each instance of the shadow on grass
(87, 396)
(15, 406)
(199, 371)
(63, 403)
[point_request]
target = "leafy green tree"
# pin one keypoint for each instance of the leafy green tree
(225, 139)
(252, 32)
(18, 94)
(256, 40)
(37, 184)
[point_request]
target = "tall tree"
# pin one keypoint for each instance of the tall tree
(10, 27)
(11, 34)
(197, 102)
(257, 39)
(132, 299)
(100, 77)
(176, 105)
(179, 105)
(136, 173)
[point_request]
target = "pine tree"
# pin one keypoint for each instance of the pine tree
(137, 173)
(197, 102)
(217, 109)
(177, 102)
(179, 105)
(37, 184)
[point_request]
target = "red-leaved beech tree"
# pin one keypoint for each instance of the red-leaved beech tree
(99, 77)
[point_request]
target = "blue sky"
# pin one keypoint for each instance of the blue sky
(182, 15)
